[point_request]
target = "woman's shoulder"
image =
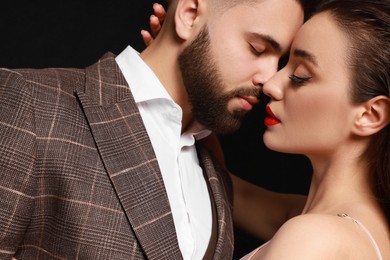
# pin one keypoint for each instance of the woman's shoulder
(313, 236)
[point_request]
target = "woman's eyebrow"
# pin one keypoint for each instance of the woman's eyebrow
(306, 55)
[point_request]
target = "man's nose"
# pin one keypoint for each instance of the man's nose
(265, 72)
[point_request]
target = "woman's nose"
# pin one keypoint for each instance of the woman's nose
(273, 87)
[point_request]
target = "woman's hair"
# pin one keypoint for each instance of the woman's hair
(367, 25)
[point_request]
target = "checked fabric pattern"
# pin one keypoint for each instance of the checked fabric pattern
(78, 175)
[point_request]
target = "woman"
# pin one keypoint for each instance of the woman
(331, 102)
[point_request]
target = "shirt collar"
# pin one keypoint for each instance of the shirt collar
(145, 85)
(198, 130)
(142, 81)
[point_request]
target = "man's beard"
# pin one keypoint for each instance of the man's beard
(204, 86)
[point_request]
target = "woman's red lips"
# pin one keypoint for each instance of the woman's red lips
(272, 119)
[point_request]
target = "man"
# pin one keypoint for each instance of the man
(103, 163)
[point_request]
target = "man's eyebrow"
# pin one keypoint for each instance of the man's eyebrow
(271, 41)
(306, 55)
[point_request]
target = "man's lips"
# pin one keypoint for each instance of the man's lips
(247, 102)
(272, 119)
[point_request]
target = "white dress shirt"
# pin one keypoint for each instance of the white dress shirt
(176, 155)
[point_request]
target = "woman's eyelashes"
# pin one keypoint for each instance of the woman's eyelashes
(298, 81)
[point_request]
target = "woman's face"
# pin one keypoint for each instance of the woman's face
(310, 96)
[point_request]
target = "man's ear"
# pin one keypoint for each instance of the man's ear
(373, 116)
(186, 15)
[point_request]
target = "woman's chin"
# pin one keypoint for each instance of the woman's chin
(276, 144)
(271, 143)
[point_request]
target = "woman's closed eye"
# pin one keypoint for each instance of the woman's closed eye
(296, 80)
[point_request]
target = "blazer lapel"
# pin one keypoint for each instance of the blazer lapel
(221, 189)
(128, 157)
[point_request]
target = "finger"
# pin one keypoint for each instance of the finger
(147, 37)
(160, 12)
(155, 25)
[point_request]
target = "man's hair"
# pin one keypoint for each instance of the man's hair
(308, 6)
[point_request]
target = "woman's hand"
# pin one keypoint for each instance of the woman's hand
(156, 21)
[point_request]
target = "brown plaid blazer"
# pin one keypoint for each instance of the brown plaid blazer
(78, 175)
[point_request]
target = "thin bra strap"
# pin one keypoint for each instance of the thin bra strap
(372, 240)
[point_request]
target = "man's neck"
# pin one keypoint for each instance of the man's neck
(162, 58)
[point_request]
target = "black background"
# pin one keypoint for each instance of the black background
(71, 33)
